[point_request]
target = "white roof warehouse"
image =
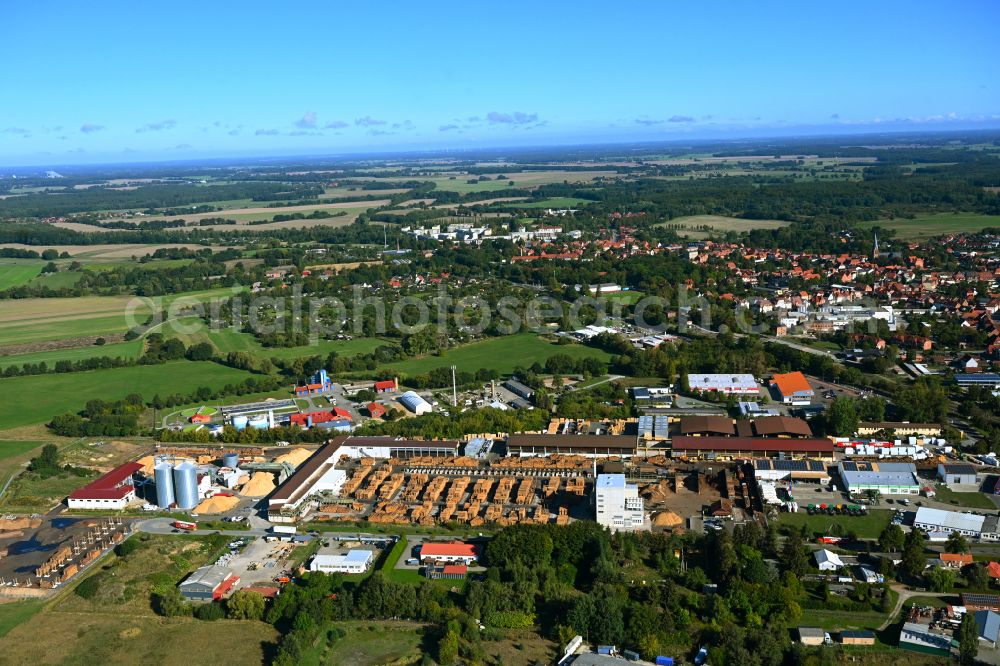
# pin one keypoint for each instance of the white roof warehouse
(968, 524)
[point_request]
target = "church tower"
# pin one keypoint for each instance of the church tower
(875, 247)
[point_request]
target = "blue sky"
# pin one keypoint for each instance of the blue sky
(104, 81)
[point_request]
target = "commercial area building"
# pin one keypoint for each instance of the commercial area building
(899, 428)
(957, 474)
(946, 522)
(617, 504)
(208, 583)
(919, 638)
(319, 383)
(585, 445)
(519, 389)
(793, 388)
(724, 383)
(355, 561)
(114, 490)
(283, 503)
(770, 469)
(453, 552)
(988, 626)
(885, 478)
(751, 447)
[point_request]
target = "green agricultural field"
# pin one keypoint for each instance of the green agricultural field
(13, 449)
(38, 398)
(14, 275)
(691, 226)
(865, 527)
(32, 320)
(500, 354)
(554, 202)
(927, 226)
(60, 280)
(17, 612)
(130, 349)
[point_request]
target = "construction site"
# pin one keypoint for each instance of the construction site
(38, 554)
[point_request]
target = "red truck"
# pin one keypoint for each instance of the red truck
(185, 525)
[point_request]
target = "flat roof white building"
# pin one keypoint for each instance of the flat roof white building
(354, 562)
(939, 520)
(617, 504)
(724, 383)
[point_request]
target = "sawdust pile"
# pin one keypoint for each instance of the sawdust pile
(259, 485)
(667, 519)
(217, 504)
(22, 523)
(656, 492)
(147, 463)
(295, 457)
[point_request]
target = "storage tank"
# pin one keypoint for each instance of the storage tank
(258, 423)
(240, 422)
(186, 485)
(163, 477)
(231, 460)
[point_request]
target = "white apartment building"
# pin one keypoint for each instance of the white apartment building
(617, 504)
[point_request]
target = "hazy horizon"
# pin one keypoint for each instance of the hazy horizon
(207, 82)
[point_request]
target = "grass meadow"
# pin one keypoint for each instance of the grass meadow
(500, 354)
(927, 226)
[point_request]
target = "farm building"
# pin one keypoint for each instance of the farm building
(988, 626)
(751, 447)
(447, 572)
(208, 583)
(976, 602)
(724, 383)
(375, 410)
(585, 445)
(857, 637)
(356, 561)
(827, 560)
(386, 386)
(114, 490)
(793, 388)
(452, 552)
(416, 404)
(957, 474)
(886, 478)
(811, 635)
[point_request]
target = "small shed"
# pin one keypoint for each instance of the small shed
(811, 635)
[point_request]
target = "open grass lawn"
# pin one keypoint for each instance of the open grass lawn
(500, 354)
(926, 226)
(719, 223)
(374, 644)
(837, 620)
(38, 398)
(130, 349)
(227, 340)
(14, 275)
(523, 647)
(16, 612)
(60, 280)
(118, 626)
(972, 500)
(865, 527)
(14, 449)
(31, 494)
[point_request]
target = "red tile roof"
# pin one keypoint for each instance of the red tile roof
(116, 484)
(453, 549)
